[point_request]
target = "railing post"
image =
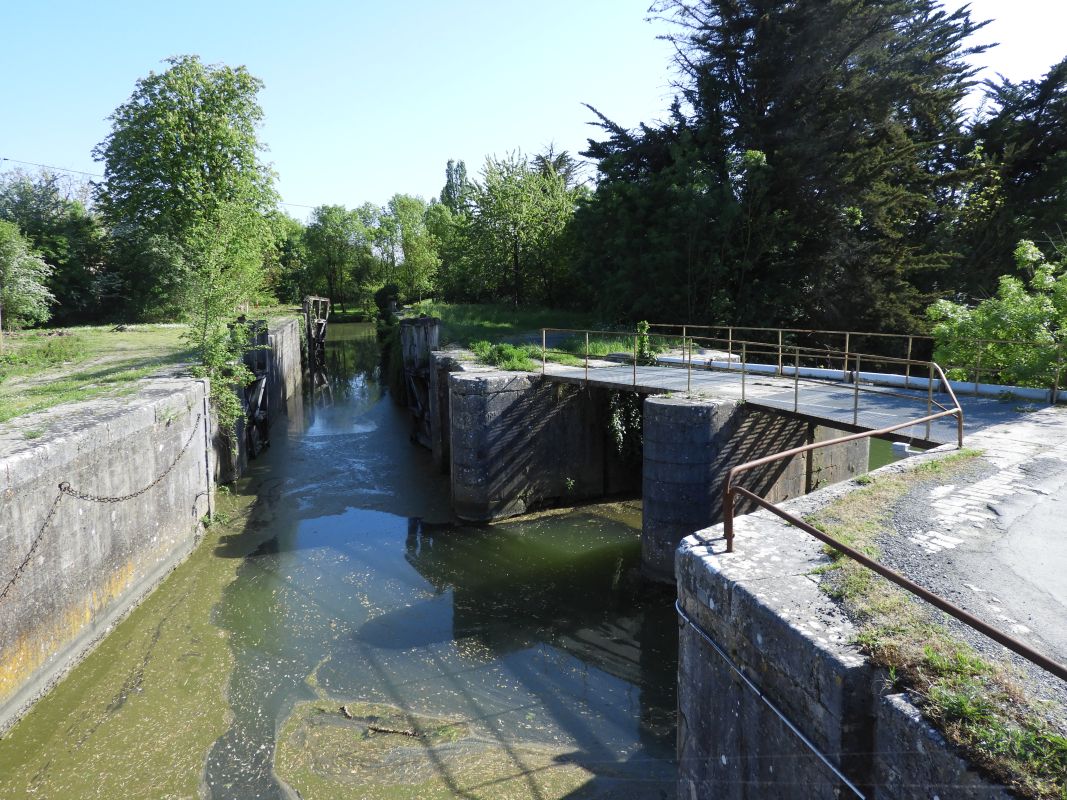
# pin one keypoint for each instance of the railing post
(929, 399)
(907, 367)
(744, 359)
(796, 379)
(977, 370)
(845, 376)
(779, 352)
(856, 393)
(728, 515)
(587, 358)
(544, 350)
(1054, 396)
(689, 369)
(635, 360)
(729, 347)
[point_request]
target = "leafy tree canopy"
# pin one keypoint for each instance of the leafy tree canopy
(183, 145)
(24, 295)
(1016, 336)
(799, 174)
(1019, 190)
(50, 212)
(338, 246)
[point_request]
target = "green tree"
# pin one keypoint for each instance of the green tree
(450, 237)
(24, 295)
(561, 164)
(288, 272)
(419, 255)
(182, 153)
(223, 266)
(1014, 337)
(456, 194)
(1019, 187)
(519, 222)
(50, 213)
(805, 162)
(339, 253)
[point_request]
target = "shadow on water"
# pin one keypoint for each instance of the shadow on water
(354, 587)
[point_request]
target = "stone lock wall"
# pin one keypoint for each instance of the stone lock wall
(141, 471)
(762, 607)
(519, 442)
(691, 444)
(92, 561)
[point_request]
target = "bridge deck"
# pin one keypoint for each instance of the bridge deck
(827, 403)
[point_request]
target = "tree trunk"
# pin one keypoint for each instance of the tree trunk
(516, 275)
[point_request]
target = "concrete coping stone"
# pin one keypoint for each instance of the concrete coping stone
(76, 427)
(771, 569)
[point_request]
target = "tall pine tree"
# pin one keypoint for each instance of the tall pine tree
(804, 166)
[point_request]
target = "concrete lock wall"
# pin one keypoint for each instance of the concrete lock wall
(519, 442)
(94, 560)
(284, 383)
(762, 608)
(140, 471)
(442, 364)
(690, 445)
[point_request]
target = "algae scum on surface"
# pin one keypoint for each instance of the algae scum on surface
(337, 638)
(377, 751)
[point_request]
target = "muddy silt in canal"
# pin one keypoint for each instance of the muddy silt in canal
(335, 636)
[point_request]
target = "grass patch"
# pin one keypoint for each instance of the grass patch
(42, 369)
(25, 353)
(523, 357)
(465, 323)
(973, 701)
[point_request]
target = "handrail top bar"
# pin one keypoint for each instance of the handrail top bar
(792, 330)
(820, 351)
(789, 330)
(1031, 342)
(1020, 648)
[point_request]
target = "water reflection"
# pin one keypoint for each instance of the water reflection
(360, 589)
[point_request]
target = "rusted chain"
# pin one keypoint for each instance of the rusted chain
(65, 489)
(33, 548)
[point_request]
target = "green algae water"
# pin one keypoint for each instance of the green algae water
(339, 637)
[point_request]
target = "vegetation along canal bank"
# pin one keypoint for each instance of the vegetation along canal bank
(334, 636)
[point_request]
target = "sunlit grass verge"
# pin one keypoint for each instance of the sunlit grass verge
(35, 351)
(466, 323)
(523, 357)
(42, 369)
(973, 701)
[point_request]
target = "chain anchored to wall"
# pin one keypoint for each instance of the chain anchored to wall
(66, 489)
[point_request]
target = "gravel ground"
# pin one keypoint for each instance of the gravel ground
(950, 573)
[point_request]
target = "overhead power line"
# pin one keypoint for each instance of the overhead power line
(96, 175)
(49, 166)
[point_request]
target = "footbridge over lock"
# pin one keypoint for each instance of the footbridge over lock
(697, 402)
(769, 678)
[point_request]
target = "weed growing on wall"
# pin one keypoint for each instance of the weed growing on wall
(625, 421)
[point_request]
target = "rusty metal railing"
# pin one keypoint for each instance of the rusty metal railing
(746, 357)
(971, 369)
(732, 490)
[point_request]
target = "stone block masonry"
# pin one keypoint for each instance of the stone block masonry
(764, 610)
(519, 442)
(691, 444)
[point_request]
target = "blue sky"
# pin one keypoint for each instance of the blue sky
(364, 99)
